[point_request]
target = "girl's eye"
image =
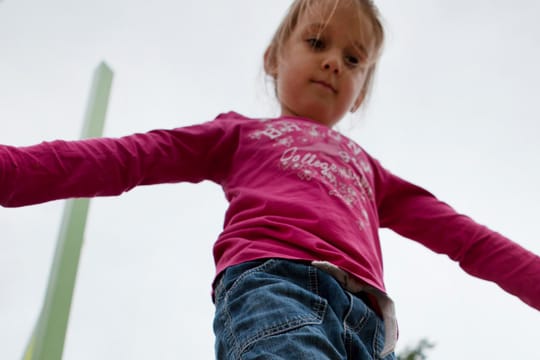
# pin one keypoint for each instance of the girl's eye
(315, 43)
(352, 60)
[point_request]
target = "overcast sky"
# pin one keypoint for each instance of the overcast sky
(455, 109)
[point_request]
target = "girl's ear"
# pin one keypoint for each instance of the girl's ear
(270, 63)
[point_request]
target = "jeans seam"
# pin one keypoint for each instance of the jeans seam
(376, 348)
(347, 331)
(313, 281)
(348, 339)
(320, 306)
(362, 322)
(230, 333)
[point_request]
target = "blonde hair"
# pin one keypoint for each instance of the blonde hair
(366, 11)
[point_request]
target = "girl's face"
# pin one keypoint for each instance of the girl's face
(321, 70)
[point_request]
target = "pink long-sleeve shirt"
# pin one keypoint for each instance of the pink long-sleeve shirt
(296, 190)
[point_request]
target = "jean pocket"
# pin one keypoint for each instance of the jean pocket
(231, 274)
(264, 301)
(365, 328)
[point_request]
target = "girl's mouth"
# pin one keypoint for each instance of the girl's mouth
(325, 85)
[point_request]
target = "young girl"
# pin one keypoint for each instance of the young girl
(299, 269)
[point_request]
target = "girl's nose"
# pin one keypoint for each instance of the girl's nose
(332, 63)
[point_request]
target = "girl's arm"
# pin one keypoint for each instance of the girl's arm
(416, 214)
(106, 166)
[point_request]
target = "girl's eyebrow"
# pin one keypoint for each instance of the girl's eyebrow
(319, 27)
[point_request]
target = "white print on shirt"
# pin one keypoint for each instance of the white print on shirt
(286, 141)
(354, 147)
(346, 176)
(274, 132)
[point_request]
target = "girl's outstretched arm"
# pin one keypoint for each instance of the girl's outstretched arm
(416, 214)
(107, 166)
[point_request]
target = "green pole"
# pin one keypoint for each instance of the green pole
(47, 342)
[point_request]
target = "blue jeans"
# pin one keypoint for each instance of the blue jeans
(282, 309)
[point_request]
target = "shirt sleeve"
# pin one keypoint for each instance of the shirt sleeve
(110, 166)
(416, 214)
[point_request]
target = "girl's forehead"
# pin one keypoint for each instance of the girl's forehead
(326, 11)
(324, 15)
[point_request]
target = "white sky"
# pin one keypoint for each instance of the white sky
(455, 109)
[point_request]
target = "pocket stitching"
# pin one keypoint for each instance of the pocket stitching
(236, 281)
(318, 309)
(292, 324)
